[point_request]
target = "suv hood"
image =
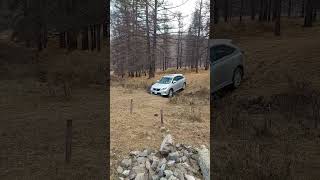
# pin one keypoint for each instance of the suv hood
(157, 85)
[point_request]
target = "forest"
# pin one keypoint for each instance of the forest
(269, 11)
(77, 24)
(144, 39)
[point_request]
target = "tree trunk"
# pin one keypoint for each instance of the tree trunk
(253, 9)
(154, 45)
(289, 8)
(309, 13)
(198, 38)
(98, 34)
(277, 22)
(269, 10)
(261, 11)
(214, 17)
(302, 8)
(226, 10)
(148, 39)
(241, 10)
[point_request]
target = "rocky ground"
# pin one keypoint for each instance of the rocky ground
(171, 161)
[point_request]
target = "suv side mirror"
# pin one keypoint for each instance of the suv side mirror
(173, 82)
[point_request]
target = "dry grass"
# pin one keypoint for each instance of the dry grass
(32, 129)
(142, 128)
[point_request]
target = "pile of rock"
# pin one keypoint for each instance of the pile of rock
(172, 162)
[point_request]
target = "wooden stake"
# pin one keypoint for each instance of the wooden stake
(131, 106)
(161, 116)
(68, 140)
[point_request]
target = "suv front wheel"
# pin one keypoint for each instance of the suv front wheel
(237, 78)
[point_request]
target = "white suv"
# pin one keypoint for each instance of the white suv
(168, 85)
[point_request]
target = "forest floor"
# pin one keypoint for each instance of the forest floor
(186, 115)
(254, 141)
(33, 123)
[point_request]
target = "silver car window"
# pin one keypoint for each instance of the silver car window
(220, 51)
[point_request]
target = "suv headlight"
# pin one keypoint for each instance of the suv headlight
(163, 88)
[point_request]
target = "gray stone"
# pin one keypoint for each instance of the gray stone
(163, 178)
(155, 177)
(171, 163)
(126, 163)
(141, 161)
(178, 173)
(183, 159)
(134, 153)
(155, 163)
(162, 161)
(189, 177)
(148, 165)
(168, 173)
(144, 153)
(126, 173)
(181, 168)
(138, 169)
(173, 178)
(204, 162)
(166, 145)
(119, 169)
(141, 176)
(194, 164)
(173, 156)
(132, 174)
(161, 170)
(188, 167)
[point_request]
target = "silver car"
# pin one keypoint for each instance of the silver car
(168, 85)
(227, 64)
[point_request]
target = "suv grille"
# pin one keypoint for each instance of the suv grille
(156, 89)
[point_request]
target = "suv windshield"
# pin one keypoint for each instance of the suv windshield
(165, 80)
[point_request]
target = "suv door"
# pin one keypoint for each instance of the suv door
(176, 84)
(221, 65)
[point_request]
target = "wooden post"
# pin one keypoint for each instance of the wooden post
(68, 140)
(161, 116)
(269, 116)
(131, 106)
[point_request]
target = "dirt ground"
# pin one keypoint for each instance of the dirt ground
(285, 66)
(141, 129)
(33, 124)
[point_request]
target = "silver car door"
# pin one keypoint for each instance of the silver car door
(180, 82)
(218, 57)
(175, 85)
(228, 65)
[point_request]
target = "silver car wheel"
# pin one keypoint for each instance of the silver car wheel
(184, 86)
(237, 78)
(170, 93)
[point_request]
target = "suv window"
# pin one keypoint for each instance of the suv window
(176, 78)
(218, 52)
